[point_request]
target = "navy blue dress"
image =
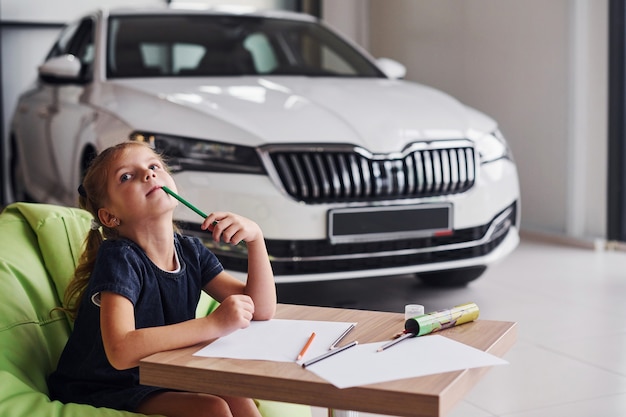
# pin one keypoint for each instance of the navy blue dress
(84, 375)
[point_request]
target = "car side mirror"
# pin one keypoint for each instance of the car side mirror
(64, 68)
(392, 69)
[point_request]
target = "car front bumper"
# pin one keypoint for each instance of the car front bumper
(299, 261)
(485, 224)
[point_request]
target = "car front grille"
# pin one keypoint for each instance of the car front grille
(344, 173)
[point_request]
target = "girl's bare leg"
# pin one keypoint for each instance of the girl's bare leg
(242, 407)
(186, 404)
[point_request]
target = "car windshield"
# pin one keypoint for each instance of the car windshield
(179, 46)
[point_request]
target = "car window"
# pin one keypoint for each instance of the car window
(77, 39)
(60, 46)
(265, 60)
(312, 52)
(170, 58)
(146, 46)
(82, 46)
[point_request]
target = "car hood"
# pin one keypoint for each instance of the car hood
(378, 114)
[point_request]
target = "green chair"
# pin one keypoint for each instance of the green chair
(39, 248)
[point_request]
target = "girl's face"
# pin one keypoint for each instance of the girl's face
(134, 186)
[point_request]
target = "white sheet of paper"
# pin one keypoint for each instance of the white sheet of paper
(276, 340)
(419, 356)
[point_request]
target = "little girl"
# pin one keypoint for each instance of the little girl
(137, 285)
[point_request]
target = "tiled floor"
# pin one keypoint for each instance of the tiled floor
(570, 305)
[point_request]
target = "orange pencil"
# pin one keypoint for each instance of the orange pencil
(306, 346)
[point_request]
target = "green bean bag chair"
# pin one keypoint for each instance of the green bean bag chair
(39, 248)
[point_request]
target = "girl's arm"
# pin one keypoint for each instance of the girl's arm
(125, 345)
(259, 285)
(239, 302)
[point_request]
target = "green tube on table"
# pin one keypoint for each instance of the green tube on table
(444, 319)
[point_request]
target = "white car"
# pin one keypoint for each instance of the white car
(349, 170)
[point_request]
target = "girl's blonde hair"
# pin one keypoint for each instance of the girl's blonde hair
(92, 197)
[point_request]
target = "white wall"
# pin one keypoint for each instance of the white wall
(350, 17)
(538, 67)
(58, 11)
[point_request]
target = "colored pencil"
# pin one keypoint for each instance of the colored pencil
(306, 346)
(396, 340)
(340, 338)
(329, 353)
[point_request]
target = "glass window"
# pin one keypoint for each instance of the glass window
(77, 39)
(81, 45)
(60, 46)
(187, 56)
(180, 45)
(262, 53)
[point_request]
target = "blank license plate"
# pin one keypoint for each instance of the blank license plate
(386, 223)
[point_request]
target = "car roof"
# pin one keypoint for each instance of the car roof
(206, 10)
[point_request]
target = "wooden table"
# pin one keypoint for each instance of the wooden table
(426, 396)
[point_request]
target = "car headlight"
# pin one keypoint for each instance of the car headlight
(492, 147)
(202, 155)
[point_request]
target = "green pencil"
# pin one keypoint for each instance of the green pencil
(194, 208)
(185, 202)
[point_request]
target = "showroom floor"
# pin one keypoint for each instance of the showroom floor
(570, 305)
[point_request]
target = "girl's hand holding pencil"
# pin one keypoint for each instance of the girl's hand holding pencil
(231, 228)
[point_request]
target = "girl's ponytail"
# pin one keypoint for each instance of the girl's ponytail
(77, 286)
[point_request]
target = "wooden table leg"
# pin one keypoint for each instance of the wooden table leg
(342, 413)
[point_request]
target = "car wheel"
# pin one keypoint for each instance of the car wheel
(452, 277)
(17, 187)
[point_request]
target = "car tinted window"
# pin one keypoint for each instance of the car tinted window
(260, 47)
(83, 48)
(77, 39)
(145, 46)
(60, 46)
